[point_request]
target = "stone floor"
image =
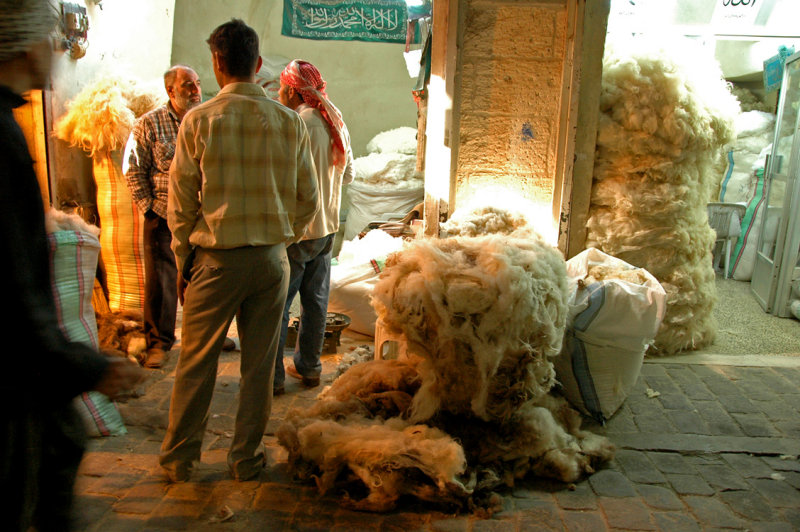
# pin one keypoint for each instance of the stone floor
(701, 446)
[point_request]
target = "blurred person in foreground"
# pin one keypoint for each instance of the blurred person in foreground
(242, 184)
(43, 438)
(303, 90)
(148, 155)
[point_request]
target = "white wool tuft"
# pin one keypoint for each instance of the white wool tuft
(56, 220)
(376, 244)
(486, 220)
(100, 117)
(665, 115)
(358, 355)
(399, 140)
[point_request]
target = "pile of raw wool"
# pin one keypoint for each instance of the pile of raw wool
(485, 220)
(397, 170)
(121, 333)
(750, 102)
(470, 409)
(398, 140)
(665, 114)
(101, 116)
(391, 160)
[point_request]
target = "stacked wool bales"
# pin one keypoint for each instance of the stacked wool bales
(386, 180)
(665, 115)
(99, 120)
(471, 408)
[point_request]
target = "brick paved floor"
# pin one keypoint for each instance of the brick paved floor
(714, 448)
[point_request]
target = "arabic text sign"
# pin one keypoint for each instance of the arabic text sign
(364, 20)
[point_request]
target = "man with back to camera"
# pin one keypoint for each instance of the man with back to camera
(43, 437)
(242, 184)
(149, 154)
(303, 90)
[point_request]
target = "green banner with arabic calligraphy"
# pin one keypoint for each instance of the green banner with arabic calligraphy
(364, 20)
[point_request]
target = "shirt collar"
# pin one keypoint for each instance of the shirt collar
(245, 89)
(172, 112)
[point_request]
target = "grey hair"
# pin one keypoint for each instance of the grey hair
(24, 23)
(172, 73)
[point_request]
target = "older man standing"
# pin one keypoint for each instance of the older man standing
(150, 150)
(303, 89)
(241, 186)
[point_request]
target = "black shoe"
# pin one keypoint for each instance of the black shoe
(229, 345)
(278, 390)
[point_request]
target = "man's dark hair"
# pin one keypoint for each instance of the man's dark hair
(237, 44)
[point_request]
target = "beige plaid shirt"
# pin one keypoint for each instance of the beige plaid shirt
(242, 175)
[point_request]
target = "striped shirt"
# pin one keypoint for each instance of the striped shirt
(148, 155)
(243, 174)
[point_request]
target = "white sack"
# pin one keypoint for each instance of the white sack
(369, 202)
(354, 300)
(615, 310)
(354, 276)
(755, 131)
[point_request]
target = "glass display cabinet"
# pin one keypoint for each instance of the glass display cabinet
(776, 262)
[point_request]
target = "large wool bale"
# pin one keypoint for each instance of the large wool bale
(99, 120)
(121, 237)
(665, 115)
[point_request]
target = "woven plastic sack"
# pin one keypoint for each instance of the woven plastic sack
(121, 236)
(743, 257)
(610, 324)
(354, 276)
(369, 202)
(73, 261)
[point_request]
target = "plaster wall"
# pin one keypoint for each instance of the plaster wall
(510, 94)
(367, 81)
(136, 42)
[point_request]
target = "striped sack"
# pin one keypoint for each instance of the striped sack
(73, 265)
(121, 234)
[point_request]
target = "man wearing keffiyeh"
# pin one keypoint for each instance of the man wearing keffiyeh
(303, 89)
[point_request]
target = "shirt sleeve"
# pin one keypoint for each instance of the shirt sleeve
(183, 197)
(308, 200)
(138, 166)
(349, 170)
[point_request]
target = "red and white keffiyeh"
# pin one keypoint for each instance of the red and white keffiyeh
(304, 77)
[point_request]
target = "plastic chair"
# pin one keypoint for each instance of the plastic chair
(395, 343)
(726, 221)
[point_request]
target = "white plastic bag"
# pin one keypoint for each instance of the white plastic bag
(369, 202)
(354, 276)
(615, 311)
